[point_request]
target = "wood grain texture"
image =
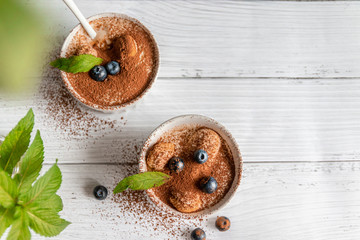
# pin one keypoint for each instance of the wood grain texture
(237, 38)
(271, 119)
(275, 201)
(282, 76)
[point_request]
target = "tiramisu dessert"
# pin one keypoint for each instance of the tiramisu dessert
(200, 164)
(130, 62)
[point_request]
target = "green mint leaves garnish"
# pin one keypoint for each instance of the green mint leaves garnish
(16, 143)
(23, 203)
(142, 181)
(76, 64)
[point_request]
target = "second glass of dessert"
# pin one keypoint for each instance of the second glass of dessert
(202, 159)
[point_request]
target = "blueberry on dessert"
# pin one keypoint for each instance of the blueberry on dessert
(98, 73)
(112, 67)
(176, 164)
(201, 156)
(208, 184)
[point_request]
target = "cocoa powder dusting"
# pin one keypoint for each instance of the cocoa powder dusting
(220, 165)
(125, 42)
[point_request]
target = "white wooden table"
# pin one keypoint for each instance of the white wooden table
(283, 77)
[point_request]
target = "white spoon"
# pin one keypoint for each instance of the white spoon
(72, 6)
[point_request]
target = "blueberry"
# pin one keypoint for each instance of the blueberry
(208, 184)
(198, 234)
(201, 156)
(100, 192)
(222, 223)
(112, 67)
(98, 73)
(176, 164)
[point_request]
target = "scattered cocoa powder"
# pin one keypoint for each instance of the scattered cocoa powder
(130, 45)
(137, 211)
(219, 165)
(62, 112)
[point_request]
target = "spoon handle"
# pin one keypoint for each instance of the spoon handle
(72, 6)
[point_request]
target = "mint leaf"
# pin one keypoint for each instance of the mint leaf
(142, 181)
(31, 164)
(20, 226)
(16, 143)
(53, 203)
(46, 222)
(76, 64)
(8, 190)
(6, 218)
(44, 187)
(122, 185)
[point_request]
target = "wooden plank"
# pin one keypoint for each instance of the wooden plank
(272, 119)
(274, 201)
(236, 38)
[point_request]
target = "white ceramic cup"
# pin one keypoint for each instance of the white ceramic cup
(123, 106)
(202, 121)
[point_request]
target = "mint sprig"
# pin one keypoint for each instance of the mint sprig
(76, 64)
(142, 181)
(23, 203)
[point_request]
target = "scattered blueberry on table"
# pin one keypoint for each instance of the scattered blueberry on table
(201, 156)
(176, 164)
(198, 234)
(100, 192)
(98, 73)
(208, 184)
(222, 223)
(112, 67)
